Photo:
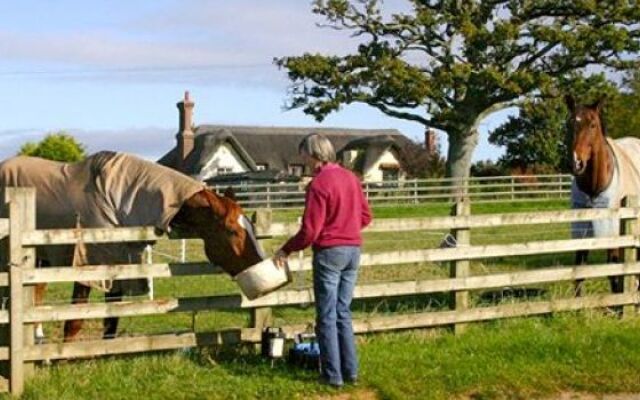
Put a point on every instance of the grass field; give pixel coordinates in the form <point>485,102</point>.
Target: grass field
<point>517,359</point>
<point>522,358</point>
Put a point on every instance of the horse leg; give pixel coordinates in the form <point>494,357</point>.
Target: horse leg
<point>73,326</point>
<point>38,299</point>
<point>617,282</point>
<point>581,259</point>
<point>111,324</point>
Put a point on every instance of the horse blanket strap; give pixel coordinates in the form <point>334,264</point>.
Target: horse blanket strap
<point>80,259</point>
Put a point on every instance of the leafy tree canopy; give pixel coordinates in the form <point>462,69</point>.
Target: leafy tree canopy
<point>55,146</point>
<point>448,64</point>
<point>622,113</point>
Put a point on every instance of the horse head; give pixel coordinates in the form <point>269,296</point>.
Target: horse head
<point>585,122</point>
<point>228,235</point>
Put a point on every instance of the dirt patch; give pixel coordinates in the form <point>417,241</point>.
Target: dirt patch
<point>589,396</point>
<point>368,394</point>
<point>572,396</point>
<point>358,394</point>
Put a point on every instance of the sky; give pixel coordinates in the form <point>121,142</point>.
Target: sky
<point>111,72</point>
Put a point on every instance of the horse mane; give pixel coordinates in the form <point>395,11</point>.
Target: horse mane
<point>603,122</point>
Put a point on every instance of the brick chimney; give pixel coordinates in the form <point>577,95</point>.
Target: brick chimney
<point>185,136</point>
<point>430,141</point>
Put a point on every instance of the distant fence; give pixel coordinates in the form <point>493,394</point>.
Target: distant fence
<point>19,351</point>
<point>416,191</point>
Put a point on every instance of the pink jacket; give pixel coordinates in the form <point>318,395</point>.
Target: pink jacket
<point>335,211</point>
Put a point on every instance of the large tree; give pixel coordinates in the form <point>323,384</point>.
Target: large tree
<point>55,146</point>
<point>448,64</point>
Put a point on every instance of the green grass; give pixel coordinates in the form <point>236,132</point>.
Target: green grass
<point>441,209</point>
<point>504,359</point>
<point>515,359</point>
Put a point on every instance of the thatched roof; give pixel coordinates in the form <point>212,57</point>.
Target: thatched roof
<point>372,148</point>
<point>277,147</point>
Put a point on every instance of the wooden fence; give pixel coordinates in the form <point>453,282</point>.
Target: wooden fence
<point>415,191</point>
<point>19,352</point>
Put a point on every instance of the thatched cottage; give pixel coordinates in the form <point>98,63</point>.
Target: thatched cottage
<point>250,153</point>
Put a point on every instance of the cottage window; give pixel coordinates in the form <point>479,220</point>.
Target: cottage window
<point>296,169</point>
<point>224,170</point>
<point>390,174</point>
<point>261,167</point>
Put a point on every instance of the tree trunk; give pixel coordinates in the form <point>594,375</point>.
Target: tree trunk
<point>464,139</point>
<point>461,148</point>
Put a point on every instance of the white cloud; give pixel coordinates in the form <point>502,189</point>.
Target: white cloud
<point>199,42</point>
<point>193,40</point>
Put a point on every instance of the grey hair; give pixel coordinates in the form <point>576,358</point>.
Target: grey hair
<point>318,146</point>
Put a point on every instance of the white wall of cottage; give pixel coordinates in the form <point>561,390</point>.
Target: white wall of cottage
<point>374,174</point>
<point>224,160</point>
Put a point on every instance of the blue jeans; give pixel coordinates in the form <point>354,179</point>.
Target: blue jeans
<point>335,270</point>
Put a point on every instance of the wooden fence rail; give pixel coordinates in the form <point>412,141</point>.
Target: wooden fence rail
<point>19,351</point>
<point>413,191</point>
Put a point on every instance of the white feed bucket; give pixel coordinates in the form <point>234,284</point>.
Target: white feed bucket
<point>262,278</point>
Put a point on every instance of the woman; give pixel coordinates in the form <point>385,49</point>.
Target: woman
<point>335,212</point>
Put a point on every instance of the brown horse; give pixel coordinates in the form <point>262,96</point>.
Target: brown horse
<point>604,173</point>
<point>110,189</point>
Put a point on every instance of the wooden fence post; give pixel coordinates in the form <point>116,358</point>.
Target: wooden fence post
<point>560,187</point>
<point>460,268</point>
<point>183,250</point>
<point>22,217</point>
<point>16,346</point>
<point>262,316</point>
<point>5,331</point>
<point>629,255</point>
<point>268,196</point>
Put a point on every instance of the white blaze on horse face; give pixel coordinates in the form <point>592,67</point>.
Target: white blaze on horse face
<point>577,162</point>
<point>246,224</point>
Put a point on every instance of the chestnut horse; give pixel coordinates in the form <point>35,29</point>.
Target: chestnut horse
<point>114,189</point>
<point>605,171</point>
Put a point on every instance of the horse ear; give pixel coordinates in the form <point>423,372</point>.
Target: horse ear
<point>570,102</point>
<point>198,200</point>
<point>204,199</point>
<point>216,204</point>
<point>599,104</point>
<point>230,193</point>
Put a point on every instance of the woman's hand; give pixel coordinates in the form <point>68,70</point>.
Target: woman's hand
<point>280,258</point>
